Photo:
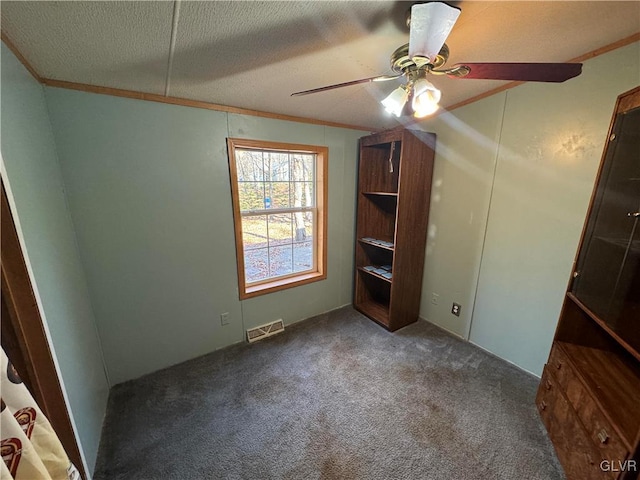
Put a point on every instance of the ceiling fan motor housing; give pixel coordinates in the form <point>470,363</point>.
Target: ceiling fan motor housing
<point>401,62</point>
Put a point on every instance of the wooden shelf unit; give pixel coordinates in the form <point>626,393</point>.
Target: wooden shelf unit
<point>394,189</point>
<point>589,396</point>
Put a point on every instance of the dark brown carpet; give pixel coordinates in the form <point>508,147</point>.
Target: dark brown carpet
<point>333,397</point>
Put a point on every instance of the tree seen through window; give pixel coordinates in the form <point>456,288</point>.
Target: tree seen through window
<point>277,200</point>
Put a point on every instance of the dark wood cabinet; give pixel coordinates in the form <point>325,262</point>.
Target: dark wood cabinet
<point>589,395</point>
<point>394,189</point>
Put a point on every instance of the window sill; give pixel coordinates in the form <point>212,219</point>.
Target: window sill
<point>281,284</point>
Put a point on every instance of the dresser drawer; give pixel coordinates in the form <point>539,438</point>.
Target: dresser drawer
<point>546,398</point>
<point>561,368</point>
<point>609,445</point>
<point>576,452</point>
<point>602,434</point>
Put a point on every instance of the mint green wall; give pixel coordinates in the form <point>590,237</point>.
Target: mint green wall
<point>36,193</point>
<point>148,188</point>
<point>467,141</point>
<point>515,174</point>
<point>550,149</point>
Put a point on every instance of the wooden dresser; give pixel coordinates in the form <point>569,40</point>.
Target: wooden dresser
<point>589,395</point>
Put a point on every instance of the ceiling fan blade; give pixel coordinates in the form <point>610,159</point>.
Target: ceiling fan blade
<point>430,26</point>
<point>379,78</point>
<point>526,72</point>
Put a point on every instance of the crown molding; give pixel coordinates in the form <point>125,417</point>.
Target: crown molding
<point>11,46</point>
<point>587,56</point>
<point>151,97</point>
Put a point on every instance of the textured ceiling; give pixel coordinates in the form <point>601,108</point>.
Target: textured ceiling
<point>253,55</point>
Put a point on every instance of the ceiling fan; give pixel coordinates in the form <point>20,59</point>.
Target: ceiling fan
<point>426,54</point>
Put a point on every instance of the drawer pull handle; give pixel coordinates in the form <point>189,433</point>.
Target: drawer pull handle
<point>603,436</point>
<point>543,405</point>
<point>549,385</point>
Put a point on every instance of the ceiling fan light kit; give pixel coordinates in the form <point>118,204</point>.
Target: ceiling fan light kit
<point>426,98</point>
<point>426,54</point>
<point>396,100</point>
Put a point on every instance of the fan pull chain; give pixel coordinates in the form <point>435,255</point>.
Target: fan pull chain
<point>393,147</point>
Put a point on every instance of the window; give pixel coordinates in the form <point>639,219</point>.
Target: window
<point>279,195</point>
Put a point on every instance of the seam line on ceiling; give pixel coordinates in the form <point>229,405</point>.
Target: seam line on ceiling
<point>172,46</point>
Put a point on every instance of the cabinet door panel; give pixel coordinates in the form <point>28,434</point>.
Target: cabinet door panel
<point>624,316</point>
<point>608,263</point>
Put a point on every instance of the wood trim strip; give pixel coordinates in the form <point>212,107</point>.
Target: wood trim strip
<point>282,284</point>
<point>27,322</point>
<point>245,144</point>
<point>587,56</point>
<point>623,42</point>
<point>486,94</point>
<point>185,102</point>
<point>237,218</point>
<point>7,41</point>
<point>322,204</point>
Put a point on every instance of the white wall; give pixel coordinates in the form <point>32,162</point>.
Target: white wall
<point>36,194</point>
<point>523,162</point>
<point>148,189</point>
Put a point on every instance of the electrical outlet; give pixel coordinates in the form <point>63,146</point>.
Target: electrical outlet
<point>224,318</point>
<point>434,298</point>
<point>455,309</point>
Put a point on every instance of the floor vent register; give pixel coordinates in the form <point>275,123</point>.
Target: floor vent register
<point>264,331</point>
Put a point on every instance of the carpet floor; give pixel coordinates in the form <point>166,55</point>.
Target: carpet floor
<point>333,397</point>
